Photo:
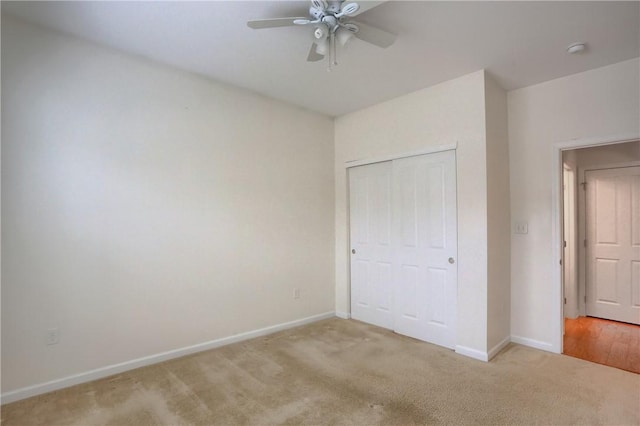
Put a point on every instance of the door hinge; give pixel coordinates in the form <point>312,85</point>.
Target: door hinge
<point>560,262</point>
<point>585,243</point>
<point>585,298</point>
<point>565,300</point>
<point>564,244</point>
<point>584,185</point>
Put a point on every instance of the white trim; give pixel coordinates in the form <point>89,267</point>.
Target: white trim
<point>343,315</point>
<point>556,294</point>
<point>472,353</point>
<point>596,141</point>
<point>500,346</point>
<point>532,343</point>
<point>427,150</point>
<point>582,259</point>
<point>110,370</point>
<point>607,166</point>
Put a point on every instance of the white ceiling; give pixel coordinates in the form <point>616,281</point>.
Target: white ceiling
<point>519,43</point>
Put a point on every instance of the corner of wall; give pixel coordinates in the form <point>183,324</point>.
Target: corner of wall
<point>498,216</point>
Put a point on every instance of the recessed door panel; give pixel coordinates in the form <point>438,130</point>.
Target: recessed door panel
<point>407,209</point>
<point>606,208</point>
<point>436,225</point>
<point>635,284</point>
<point>437,282</point>
<point>606,273</point>
<point>359,211</point>
<point>384,289</point>
<point>360,273</point>
<point>635,211</point>
<point>408,287</point>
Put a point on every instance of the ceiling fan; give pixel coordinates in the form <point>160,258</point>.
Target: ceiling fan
<point>332,24</point>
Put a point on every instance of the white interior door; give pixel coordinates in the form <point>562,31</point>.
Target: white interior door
<point>403,246</point>
<point>613,244</point>
<point>424,200</point>
<point>371,244</point>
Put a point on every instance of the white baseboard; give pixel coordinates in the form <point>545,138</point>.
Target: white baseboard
<point>343,315</point>
<point>110,370</point>
<point>532,343</point>
<point>486,356</point>
<point>472,353</point>
<point>500,346</point>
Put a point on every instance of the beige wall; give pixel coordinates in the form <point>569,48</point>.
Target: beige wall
<point>448,113</point>
<point>498,217</point>
<point>596,105</point>
<point>146,209</point>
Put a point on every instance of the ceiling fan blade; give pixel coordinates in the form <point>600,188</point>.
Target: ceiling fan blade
<point>375,36</point>
<point>348,9</point>
<point>272,23</point>
<point>320,4</point>
<point>314,56</point>
<point>367,5</point>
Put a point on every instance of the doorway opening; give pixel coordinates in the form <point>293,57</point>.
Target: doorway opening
<point>600,251</point>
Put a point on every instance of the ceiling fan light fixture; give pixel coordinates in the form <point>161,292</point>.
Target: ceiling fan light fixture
<point>322,47</point>
<point>320,33</point>
<point>344,36</point>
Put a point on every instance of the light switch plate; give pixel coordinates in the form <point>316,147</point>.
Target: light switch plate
<point>521,228</point>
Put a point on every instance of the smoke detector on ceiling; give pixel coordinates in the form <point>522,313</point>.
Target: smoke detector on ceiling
<point>576,48</point>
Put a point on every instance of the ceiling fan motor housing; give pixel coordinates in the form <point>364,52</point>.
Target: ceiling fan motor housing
<point>316,13</point>
<point>320,9</point>
<point>334,6</point>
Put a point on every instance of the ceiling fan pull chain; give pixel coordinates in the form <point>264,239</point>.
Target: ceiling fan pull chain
<point>331,52</point>
<point>333,47</point>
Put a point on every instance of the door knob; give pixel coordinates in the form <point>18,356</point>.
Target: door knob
<point>452,260</point>
<point>353,251</point>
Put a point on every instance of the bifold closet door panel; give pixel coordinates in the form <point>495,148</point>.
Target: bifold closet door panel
<point>371,244</point>
<point>425,247</point>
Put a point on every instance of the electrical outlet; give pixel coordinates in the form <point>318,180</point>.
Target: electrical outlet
<point>52,336</point>
<point>521,228</point>
<point>296,293</point>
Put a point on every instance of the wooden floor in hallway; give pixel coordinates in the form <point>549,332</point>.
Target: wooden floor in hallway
<point>611,343</point>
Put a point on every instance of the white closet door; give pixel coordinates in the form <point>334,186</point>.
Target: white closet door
<point>371,249</point>
<point>613,244</point>
<point>424,224</point>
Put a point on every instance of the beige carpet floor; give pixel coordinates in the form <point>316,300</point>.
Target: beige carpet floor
<point>345,372</point>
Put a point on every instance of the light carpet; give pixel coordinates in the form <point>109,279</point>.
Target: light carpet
<point>345,372</point>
